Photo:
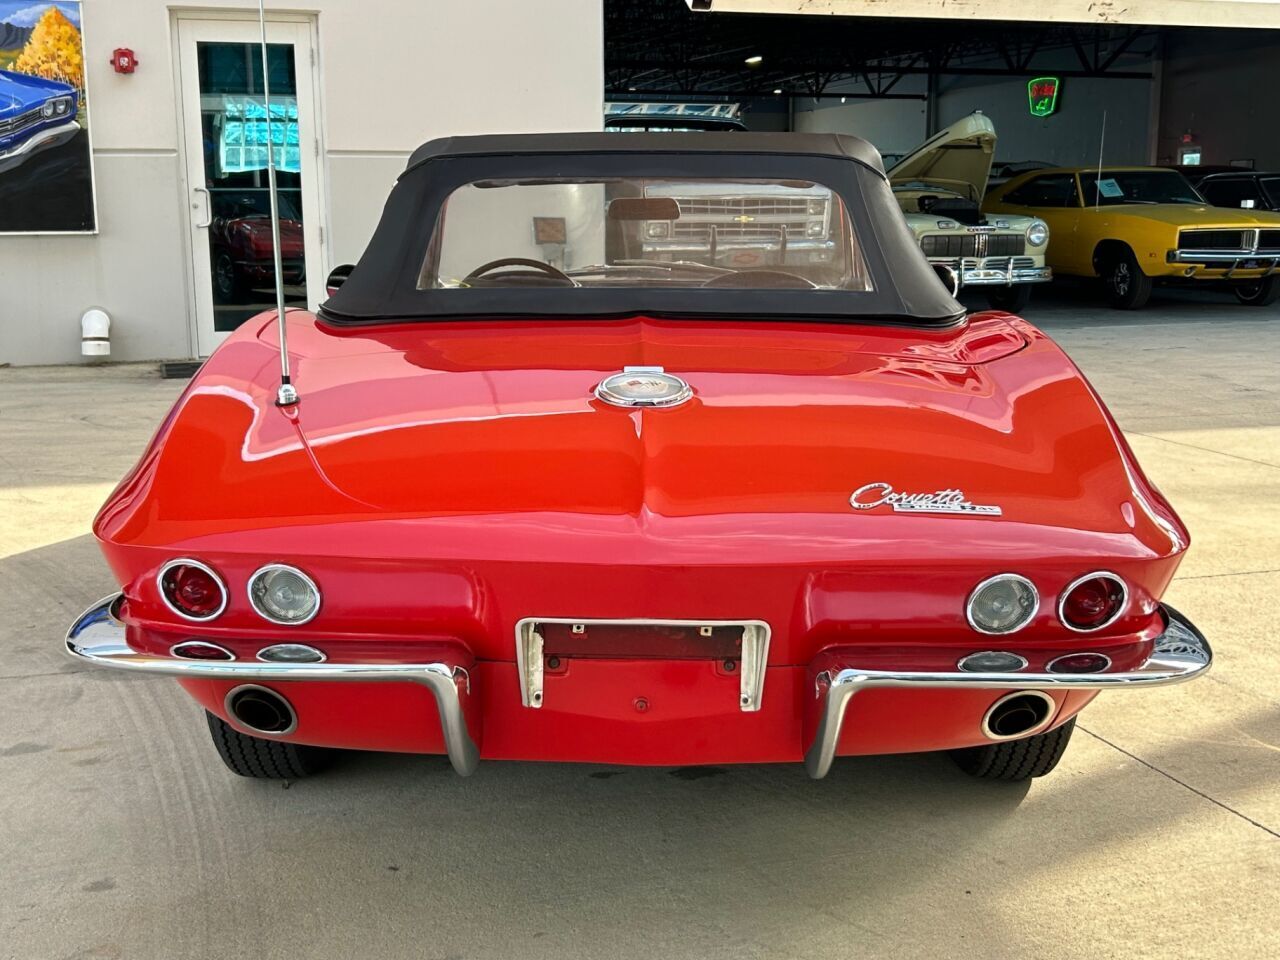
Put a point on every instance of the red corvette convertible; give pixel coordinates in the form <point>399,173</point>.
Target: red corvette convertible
<point>550,492</point>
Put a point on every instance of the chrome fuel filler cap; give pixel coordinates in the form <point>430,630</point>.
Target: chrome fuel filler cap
<point>643,387</point>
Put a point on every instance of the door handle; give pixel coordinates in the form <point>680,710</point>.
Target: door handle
<point>208,208</point>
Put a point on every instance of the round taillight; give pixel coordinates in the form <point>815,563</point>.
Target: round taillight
<point>284,594</point>
<point>1092,602</point>
<point>192,590</point>
<point>1003,604</point>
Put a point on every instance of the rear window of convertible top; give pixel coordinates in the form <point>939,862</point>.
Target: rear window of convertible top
<point>641,232</point>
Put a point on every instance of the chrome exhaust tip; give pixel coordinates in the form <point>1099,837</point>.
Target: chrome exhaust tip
<point>261,710</point>
<point>1019,714</point>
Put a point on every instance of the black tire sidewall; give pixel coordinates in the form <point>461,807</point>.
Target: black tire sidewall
<point>1268,292</point>
<point>263,759</point>
<point>1016,760</point>
<point>1010,299</point>
<point>1137,290</point>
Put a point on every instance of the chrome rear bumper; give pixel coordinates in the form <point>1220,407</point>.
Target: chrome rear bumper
<point>1180,653</point>
<point>98,637</point>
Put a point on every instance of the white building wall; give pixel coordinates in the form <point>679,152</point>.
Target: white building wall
<point>393,73</point>
<point>894,126</point>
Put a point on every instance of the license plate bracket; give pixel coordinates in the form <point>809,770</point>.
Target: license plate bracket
<point>642,641</point>
<point>743,641</point>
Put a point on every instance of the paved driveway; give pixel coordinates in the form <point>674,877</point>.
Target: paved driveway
<point>122,836</point>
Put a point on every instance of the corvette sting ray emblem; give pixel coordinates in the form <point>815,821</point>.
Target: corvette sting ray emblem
<point>872,495</point>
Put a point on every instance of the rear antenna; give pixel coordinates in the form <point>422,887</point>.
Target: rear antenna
<point>286,396</point>
<point>1097,184</point>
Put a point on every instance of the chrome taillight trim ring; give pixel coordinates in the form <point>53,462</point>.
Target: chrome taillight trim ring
<point>1104,662</point>
<point>1022,661</point>
<point>1105,575</point>
<point>189,562</point>
<point>176,650</point>
<point>320,656</point>
<point>261,571</point>
<point>973,595</point>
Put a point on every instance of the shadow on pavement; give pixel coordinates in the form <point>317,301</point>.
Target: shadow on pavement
<point>1079,302</point>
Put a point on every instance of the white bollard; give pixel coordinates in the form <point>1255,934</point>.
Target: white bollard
<point>95,333</point>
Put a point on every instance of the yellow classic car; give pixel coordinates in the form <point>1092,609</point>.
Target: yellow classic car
<point>1132,226</point>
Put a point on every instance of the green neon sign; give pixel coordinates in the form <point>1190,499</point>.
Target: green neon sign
<point>1042,95</point>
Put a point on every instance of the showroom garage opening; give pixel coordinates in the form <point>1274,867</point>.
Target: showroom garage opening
<point>1179,81</point>
<point>1022,151</point>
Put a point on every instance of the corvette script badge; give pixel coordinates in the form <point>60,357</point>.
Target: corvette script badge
<point>872,495</point>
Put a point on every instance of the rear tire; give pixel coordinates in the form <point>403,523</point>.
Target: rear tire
<point>1128,288</point>
<point>1016,759</point>
<point>1012,299</point>
<point>1258,293</point>
<point>264,759</point>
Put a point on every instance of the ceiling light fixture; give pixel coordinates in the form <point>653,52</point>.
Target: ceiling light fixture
<point>754,60</point>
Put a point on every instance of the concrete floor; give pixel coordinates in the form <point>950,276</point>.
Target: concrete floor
<point>122,836</point>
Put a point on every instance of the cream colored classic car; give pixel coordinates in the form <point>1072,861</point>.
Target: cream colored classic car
<point>940,186</point>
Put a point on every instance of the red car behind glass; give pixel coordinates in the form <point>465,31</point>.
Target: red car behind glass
<point>240,244</point>
<point>543,497</point>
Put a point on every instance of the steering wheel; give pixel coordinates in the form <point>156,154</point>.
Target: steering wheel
<point>761,280</point>
<point>545,269</point>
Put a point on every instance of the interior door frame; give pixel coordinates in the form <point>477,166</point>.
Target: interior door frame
<point>315,190</point>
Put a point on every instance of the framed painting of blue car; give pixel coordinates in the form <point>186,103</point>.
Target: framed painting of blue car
<point>46,161</point>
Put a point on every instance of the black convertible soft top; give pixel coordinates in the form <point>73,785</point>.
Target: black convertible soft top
<point>789,144</point>
<point>384,285</point>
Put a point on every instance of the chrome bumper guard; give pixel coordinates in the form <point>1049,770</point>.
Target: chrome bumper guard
<point>98,637</point>
<point>995,271</point>
<point>1004,278</point>
<point>1180,653</point>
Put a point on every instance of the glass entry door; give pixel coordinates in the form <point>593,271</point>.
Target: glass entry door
<point>225,132</point>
